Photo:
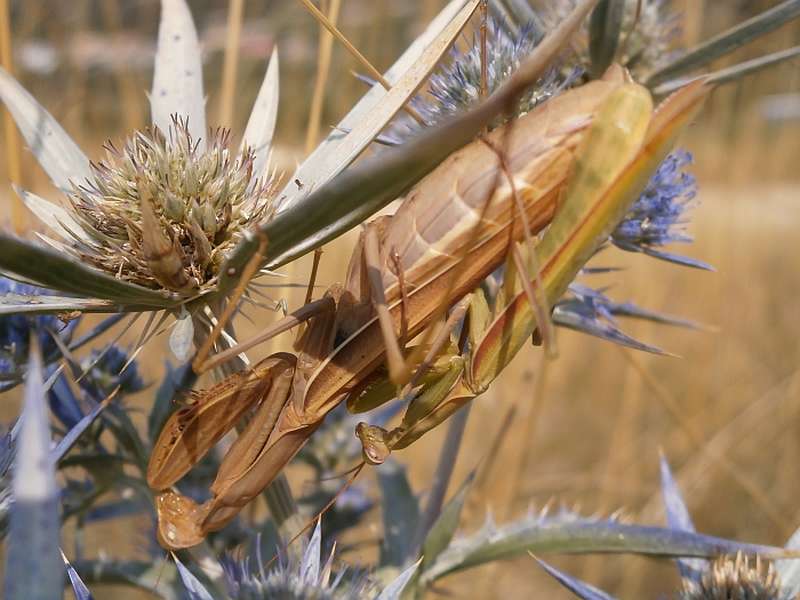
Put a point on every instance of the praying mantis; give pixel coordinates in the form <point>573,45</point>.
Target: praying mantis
<point>538,194</point>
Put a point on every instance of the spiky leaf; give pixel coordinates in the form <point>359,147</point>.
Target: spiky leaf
<point>52,269</point>
<point>580,588</point>
<point>34,568</point>
<point>400,513</point>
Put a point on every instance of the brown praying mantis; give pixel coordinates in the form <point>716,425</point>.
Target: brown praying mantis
<point>539,193</point>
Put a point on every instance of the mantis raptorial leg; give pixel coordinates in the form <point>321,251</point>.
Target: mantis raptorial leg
<point>397,264</point>
<point>293,319</point>
<point>398,369</point>
<point>249,270</point>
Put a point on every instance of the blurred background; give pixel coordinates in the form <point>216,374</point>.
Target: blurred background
<point>586,428</point>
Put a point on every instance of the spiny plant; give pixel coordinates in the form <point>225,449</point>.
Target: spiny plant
<point>176,219</point>
<point>734,575</point>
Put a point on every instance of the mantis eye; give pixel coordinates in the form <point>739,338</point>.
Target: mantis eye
<point>373,442</point>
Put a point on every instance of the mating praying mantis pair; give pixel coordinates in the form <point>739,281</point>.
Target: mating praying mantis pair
<point>538,194</point>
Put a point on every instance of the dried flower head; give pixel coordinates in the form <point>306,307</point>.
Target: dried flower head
<point>163,211</point>
<point>735,578</point>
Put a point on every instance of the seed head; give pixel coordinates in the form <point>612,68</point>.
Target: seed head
<point>163,214</point>
<point>735,578</point>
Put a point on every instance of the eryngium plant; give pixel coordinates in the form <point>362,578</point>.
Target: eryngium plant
<point>734,575</point>
<point>164,211</point>
<point>314,210</point>
<point>160,214</point>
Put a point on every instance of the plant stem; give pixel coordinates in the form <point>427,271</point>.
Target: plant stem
<point>283,508</point>
<point>323,68</point>
<point>442,475</point>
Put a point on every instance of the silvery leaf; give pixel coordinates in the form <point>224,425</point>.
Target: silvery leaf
<point>194,589</point>
<point>394,590</point>
<point>309,567</point>
<point>34,568</point>
<point>563,316</point>
<point>52,269</point>
<point>605,26</point>
<point>443,529</point>
<point>261,124</point>
<point>12,304</point>
<point>728,41</point>
<point>78,587</point>
<point>180,340</point>
<point>156,578</point>
<point>569,534</point>
<point>580,588</point>
<point>60,157</point>
<point>400,513</point>
<point>178,77</point>
<point>374,111</point>
<point>52,215</point>
<point>789,569</point>
<point>678,518</point>
<point>75,432</point>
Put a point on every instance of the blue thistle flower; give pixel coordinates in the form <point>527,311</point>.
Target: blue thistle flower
<point>107,372</point>
<point>16,330</point>
<point>457,85</point>
<point>296,577</point>
<point>658,217</point>
<point>307,578</point>
<point>590,311</point>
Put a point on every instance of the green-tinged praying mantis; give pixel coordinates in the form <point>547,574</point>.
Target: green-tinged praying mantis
<point>575,164</point>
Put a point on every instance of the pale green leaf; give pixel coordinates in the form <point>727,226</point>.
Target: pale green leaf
<point>605,26</point>
<point>52,269</point>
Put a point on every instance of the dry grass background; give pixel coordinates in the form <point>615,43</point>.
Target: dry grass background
<point>586,428</point>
